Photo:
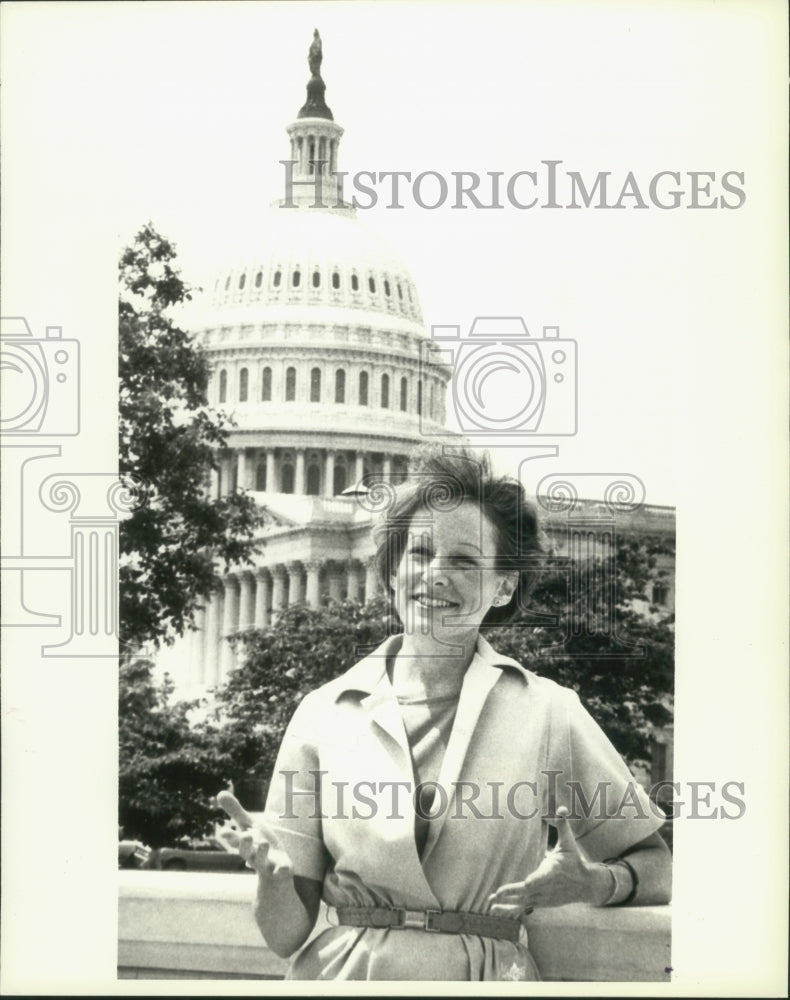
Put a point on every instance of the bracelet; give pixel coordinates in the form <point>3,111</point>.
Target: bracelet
<point>612,864</point>
<point>617,884</point>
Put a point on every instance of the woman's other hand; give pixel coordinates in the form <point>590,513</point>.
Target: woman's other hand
<point>564,876</point>
<point>258,843</point>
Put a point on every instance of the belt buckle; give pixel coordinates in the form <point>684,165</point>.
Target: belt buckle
<point>418,919</point>
<point>411,918</point>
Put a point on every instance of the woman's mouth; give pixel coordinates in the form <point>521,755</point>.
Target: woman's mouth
<point>433,602</point>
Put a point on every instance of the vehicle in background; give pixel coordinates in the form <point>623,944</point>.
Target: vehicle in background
<point>211,854</point>
<point>133,854</point>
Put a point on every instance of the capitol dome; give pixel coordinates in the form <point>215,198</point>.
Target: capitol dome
<point>319,355</point>
<point>316,339</point>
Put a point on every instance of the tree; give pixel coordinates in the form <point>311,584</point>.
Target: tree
<point>169,769</point>
<point>168,438</point>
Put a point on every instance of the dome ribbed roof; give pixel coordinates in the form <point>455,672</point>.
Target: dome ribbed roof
<point>316,258</point>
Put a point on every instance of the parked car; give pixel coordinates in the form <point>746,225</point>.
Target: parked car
<point>211,854</point>
<point>133,854</point>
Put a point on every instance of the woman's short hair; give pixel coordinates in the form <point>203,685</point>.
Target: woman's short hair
<point>441,481</point>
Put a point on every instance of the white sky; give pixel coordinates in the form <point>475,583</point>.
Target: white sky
<point>113,114</point>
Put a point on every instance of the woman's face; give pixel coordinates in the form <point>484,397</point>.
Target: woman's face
<point>446,581</point>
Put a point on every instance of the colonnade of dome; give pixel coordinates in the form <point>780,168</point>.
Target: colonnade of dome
<point>252,599</point>
<point>303,471</point>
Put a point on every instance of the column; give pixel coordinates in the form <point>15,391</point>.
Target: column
<point>263,592</point>
<point>263,598</point>
<point>278,591</point>
<point>230,624</point>
<point>94,547</point>
<point>335,582</point>
<point>214,484</point>
<point>329,474</point>
<point>313,592</point>
<point>246,600</point>
<point>295,583</point>
<point>215,677</point>
<point>354,580</point>
<point>359,470</point>
<point>196,641</point>
<point>592,545</point>
<point>371,580</point>
<point>299,488</point>
<point>94,503</point>
<point>241,468</point>
<point>206,668</point>
<point>387,468</point>
<point>270,480</point>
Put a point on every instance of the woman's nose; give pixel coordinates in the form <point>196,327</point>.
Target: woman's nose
<point>436,570</point>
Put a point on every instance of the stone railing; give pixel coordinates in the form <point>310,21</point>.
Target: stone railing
<point>200,926</point>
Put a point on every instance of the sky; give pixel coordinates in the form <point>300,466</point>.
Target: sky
<point>114,114</point>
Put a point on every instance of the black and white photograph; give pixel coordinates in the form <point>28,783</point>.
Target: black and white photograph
<point>394,562</point>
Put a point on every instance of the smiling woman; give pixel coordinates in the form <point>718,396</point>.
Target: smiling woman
<point>375,804</point>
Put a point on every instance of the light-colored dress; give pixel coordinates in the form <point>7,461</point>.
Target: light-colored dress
<point>341,802</point>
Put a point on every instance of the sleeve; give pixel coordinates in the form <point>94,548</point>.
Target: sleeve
<point>608,808</point>
<point>293,805</point>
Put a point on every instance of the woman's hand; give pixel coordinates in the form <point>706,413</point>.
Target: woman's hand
<point>286,905</point>
<point>564,876</point>
<point>258,844</point>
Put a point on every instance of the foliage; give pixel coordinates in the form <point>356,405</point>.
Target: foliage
<point>168,769</point>
<point>168,437</point>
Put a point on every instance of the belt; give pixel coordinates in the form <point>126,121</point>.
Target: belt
<point>438,921</point>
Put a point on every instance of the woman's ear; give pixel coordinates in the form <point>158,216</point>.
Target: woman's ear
<point>506,588</point>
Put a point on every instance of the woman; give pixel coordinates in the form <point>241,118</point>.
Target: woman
<point>414,793</point>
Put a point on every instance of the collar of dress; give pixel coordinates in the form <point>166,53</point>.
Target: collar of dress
<point>370,672</point>
<point>369,678</point>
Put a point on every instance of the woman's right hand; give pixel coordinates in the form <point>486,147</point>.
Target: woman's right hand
<point>258,843</point>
